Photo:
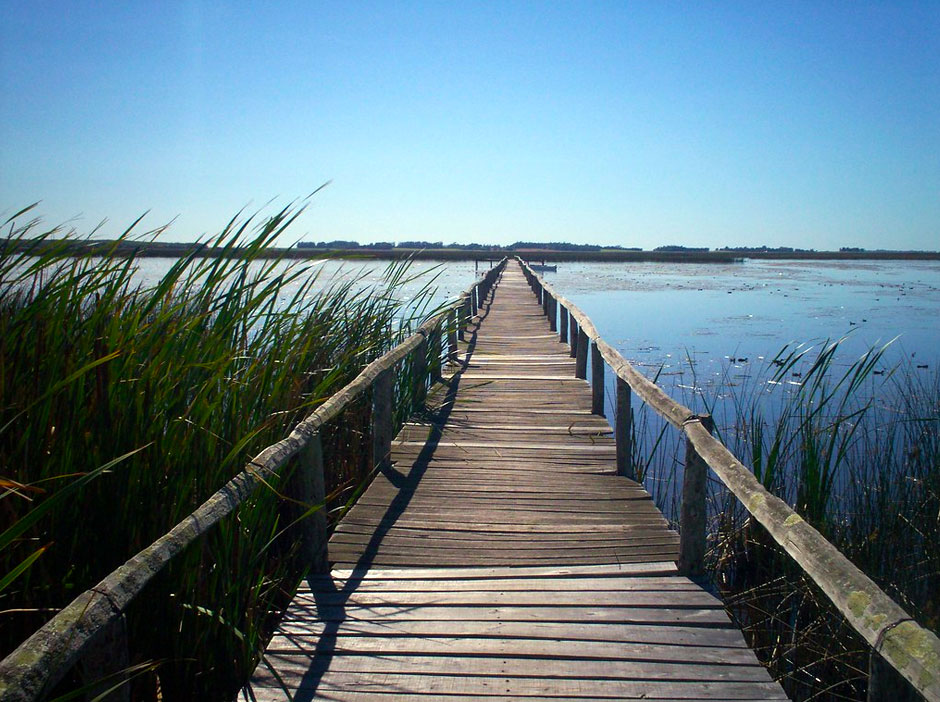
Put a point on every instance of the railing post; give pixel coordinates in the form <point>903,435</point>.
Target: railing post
<point>552,313</point>
<point>573,336</point>
<point>580,365</point>
<point>623,431</point>
<point>597,380</point>
<point>453,325</point>
<point>382,422</point>
<point>437,352</point>
<point>886,683</point>
<point>420,369</point>
<point>461,311</point>
<point>307,486</point>
<point>474,302</point>
<point>563,323</point>
<point>692,517</point>
<point>468,310</point>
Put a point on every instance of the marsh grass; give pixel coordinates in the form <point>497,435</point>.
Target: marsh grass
<point>857,454</point>
<point>122,408</point>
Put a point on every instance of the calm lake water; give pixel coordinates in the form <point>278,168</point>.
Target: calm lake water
<point>448,279</point>
<point>662,316</point>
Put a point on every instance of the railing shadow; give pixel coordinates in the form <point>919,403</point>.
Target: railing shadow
<point>330,599</point>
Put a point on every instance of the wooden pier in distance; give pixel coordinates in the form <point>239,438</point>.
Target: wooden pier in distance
<point>499,556</point>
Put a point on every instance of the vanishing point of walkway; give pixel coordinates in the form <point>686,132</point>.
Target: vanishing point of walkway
<point>501,557</point>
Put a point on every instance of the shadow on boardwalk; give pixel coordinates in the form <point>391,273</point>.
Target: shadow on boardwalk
<point>329,598</point>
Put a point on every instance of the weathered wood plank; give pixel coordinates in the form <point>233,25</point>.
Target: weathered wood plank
<point>402,689</point>
<point>644,634</point>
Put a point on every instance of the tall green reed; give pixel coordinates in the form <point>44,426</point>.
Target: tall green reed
<point>186,380</point>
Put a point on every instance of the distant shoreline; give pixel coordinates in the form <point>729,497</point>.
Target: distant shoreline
<point>177,250</point>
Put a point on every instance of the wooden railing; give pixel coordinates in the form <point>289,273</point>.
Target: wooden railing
<point>908,648</point>
<point>35,667</point>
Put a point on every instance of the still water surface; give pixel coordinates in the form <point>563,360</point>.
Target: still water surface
<point>661,313</point>
<point>660,316</point>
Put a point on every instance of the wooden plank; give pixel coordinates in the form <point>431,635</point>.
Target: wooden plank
<point>405,688</point>
<point>673,694</point>
<point>654,583</point>
<point>554,669</point>
<point>455,615</point>
<point>611,632</point>
<point>611,570</point>
<point>695,599</point>
<point>503,646</point>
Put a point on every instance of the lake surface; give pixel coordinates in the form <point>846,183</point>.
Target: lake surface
<point>448,279</point>
<point>660,313</point>
<point>661,316</point>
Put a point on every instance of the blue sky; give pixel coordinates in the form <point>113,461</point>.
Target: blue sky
<point>810,124</point>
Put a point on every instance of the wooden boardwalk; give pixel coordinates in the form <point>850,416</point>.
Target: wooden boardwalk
<point>500,557</point>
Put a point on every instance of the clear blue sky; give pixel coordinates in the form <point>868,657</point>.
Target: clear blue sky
<point>811,124</point>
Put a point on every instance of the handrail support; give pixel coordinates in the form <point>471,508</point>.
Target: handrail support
<point>692,518</point>
<point>597,380</point>
<point>382,421</point>
<point>623,431</point>
<point>580,366</point>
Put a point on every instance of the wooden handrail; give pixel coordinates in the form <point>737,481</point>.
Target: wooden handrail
<point>37,664</point>
<point>911,649</point>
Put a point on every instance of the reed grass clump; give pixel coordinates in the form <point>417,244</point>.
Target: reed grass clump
<point>124,406</point>
<point>857,454</point>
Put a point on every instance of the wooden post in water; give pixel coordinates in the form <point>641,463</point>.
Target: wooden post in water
<point>382,421</point>
<point>420,368</point>
<point>692,518</point>
<point>623,431</point>
<point>563,324</point>
<point>580,363</point>
<point>573,336</point>
<point>597,380</point>
<point>886,683</point>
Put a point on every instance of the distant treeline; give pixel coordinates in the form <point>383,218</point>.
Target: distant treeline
<point>344,244</point>
<point>532,250</point>
<point>454,246</point>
